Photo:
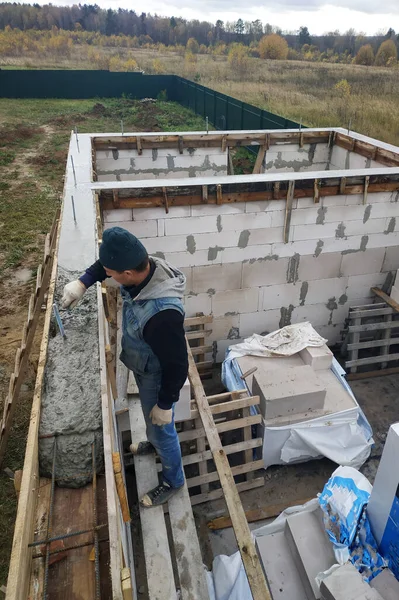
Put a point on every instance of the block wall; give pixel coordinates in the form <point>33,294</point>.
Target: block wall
<point>165,163</point>
<point>239,269</point>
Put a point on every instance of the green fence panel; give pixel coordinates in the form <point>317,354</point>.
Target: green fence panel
<point>222,111</point>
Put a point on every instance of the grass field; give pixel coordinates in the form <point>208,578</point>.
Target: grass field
<point>34,137</point>
<point>297,90</point>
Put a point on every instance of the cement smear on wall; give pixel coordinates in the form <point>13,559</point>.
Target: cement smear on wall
<point>71,401</point>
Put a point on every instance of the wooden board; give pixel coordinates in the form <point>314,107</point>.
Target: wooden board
<point>158,561</point>
<point>251,562</point>
<point>217,494</point>
<point>372,374</point>
<point>386,298</point>
<point>21,555</point>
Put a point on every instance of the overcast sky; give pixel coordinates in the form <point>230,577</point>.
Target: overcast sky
<point>369,16</point>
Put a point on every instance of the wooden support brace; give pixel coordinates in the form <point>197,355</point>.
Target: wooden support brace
<point>115,198</point>
<point>342,185</point>
<point>276,190</point>
<point>386,298</point>
<point>126,582</point>
<point>219,194</point>
<point>120,486</point>
<point>180,144</point>
<point>224,143</point>
<point>38,280</point>
<point>165,199</point>
<point>288,211</point>
<point>316,194</point>
<point>110,358</point>
<point>205,194</point>
<point>139,146</point>
<point>301,140</point>
<point>366,187</point>
<point>259,159</point>
<point>267,141</point>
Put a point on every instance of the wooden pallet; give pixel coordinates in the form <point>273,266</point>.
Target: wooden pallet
<point>28,333</point>
<point>373,330</point>
<point>231,414</point>
<point>196,335</point>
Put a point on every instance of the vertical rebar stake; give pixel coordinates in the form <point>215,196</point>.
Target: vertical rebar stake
<point>49,522</point>
<point>96,548</point>
<point>300,124</point>
<point>77,141</point>
<point>122,126</point>
<point>207,124</point>
<point>73,169</point>
<point>73,209</point>
<point>349,125</point>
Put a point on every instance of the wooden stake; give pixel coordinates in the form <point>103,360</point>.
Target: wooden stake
<point>205,194</point>
<point>165,198</point>
<point>342,185</point>
<point>224,143</point>
<point>139,147</point>
<point>288,211</point>
<point>316,196</point>
<point>366,187</point>
<point>115,197</point>
<point>219,194</point>
<point>180,144</point>
<point>120,486</point>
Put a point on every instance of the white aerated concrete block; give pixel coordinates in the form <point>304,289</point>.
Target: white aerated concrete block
<point>345,583</point>
<point>175,212</point>
<point>235,301</point>
<point>261,322</point>
<point>286,393</point>
<point>141,229</point>
<point>314,232</point>
<point>245,221</point>
<point>391,259</point>
<point>267,205</point>
<point>270,235</point>
<point>323,290</point>
<point>171,243</point>
<point>182,407</point>
<point>317,357</point>
<point>224,328</point>
<point>191,225</point>
<point>264,272</point>
<point>230,255</point>
<point>311,549</point>
<point>188,272</point>
<point>186,259</point>
<point>363,262</point>
<point>276,296</point>
<point>386,585</point>
<point>359,286</point>
<point>203,210</point>
<point>117,215</point>
<point>360,228</point>
<point>197,303</point>
<point>217,278</point>
<point>324,266</point>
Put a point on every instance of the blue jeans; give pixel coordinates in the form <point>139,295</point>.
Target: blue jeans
<point>164,438</point>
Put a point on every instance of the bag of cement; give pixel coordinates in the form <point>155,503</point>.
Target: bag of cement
<point>343,502</point>
<point>228,580</point>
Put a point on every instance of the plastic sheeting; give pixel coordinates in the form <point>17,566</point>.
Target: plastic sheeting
<point>344,437</point>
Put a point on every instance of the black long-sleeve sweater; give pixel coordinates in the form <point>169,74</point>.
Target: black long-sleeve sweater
<point>164,333</point>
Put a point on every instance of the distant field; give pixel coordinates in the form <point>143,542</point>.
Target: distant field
<point>297,90</point>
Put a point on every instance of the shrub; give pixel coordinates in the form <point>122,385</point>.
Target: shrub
<point>365,55</point>
<point>273,46</point>
<point>386,51</point>
<point>343,88</point>
<point>238,58</point>
<point>192,46</point>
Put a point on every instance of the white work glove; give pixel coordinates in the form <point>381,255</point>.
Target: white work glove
<point>160,417</point>
<point>73,292</point>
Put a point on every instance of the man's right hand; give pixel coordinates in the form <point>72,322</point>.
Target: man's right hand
<point>73,292</point>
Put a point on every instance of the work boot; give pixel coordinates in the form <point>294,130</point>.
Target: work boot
<point>141,448</point>
<point>159,495</point>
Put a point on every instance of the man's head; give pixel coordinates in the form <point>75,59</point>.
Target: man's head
<point>124,257</point>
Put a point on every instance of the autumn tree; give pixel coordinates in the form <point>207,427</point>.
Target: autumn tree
<point>365,55</point>
<point>387,54</point>
<point>273,46</point>
<point>238,58</point>
<point>192,46</point>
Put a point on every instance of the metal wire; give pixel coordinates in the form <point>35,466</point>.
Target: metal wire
<point>96,548</point>
<point>73,547</point>
<point>66,536</point>
<point>49,522</point>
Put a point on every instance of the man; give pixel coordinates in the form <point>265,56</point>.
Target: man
<point>153,342</point>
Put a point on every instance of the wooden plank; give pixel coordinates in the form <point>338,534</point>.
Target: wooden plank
<point>158,561</point>
<point>114,532</point>
<point>189,561</point>
<point>180,198</point>
<point>225,396</point>
<point>21,555</point>
<point>386,336</point>
<point>191,459</point>
<point>231,405</point>
<point>355,337</point>
<point>192,321</point>
<point>197,335</point>
<point>371,360</point>
<point>377,312</point>
<point>386,298</point>
<point>122,372</point>
<point>247,434</point>
<point>373,344</point>
<point>216,494</point>
<point>288,211</point>
<point>316,193</point>
<point>193,434</point>
<point>238,470</point>
<point>372,374</point>
<point>205,365</point>
<point>258,514</point>
<point>40,529</point>
<point>251,562</point>
<point>126,581</point>
<point>373,326</point>
<point>201,350</point>
<point>259,159</point>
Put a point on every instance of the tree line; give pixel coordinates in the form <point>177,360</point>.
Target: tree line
<point>149,28</point>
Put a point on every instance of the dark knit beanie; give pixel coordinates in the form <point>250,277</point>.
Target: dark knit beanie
<point>121,250</point>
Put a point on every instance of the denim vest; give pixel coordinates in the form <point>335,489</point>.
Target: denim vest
<point>136,354</point>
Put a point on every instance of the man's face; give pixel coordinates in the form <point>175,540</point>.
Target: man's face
<point>125,278</point>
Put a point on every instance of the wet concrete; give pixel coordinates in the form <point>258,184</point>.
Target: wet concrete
<point>71,400</point>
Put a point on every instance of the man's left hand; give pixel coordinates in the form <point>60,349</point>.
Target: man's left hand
<point>160,417</point>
